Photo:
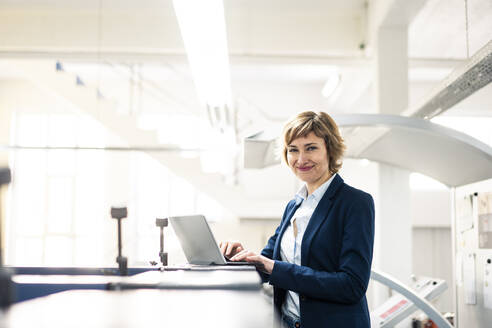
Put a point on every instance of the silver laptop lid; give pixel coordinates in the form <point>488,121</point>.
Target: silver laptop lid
<point>196,239</point>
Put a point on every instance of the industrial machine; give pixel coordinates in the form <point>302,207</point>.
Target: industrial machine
<point>408,300</point>
<point>472,249</point>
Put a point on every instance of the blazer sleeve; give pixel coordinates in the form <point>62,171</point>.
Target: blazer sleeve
<point>349,284</point>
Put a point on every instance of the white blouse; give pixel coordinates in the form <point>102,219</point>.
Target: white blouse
<point>290,245</point>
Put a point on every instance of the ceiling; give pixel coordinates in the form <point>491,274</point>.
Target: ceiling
<point>281,54</point>
<point>281,51</point>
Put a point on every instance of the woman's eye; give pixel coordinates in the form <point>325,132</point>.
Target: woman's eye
<point>311,148</point>
<point>292,150</point>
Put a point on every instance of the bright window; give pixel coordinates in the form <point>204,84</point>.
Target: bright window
<point>61,198</point>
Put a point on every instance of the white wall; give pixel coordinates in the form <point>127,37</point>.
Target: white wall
<point>431,208</point>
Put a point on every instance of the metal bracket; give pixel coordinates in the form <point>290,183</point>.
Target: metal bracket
<point>119,213</point>
<point>161,223</point>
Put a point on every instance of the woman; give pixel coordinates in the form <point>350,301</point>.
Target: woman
<point>319,259</point>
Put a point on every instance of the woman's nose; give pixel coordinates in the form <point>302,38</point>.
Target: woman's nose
<point>302,157</point>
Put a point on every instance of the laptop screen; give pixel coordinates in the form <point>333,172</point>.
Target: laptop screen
<point>197,240</point>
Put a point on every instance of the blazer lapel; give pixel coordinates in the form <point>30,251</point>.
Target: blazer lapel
<point>319,216</point>
<point>285,224</point>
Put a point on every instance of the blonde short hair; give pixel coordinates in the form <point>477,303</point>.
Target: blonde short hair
<point>323,127</point>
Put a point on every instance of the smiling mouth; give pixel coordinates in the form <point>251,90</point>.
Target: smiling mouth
<point>305,169</point>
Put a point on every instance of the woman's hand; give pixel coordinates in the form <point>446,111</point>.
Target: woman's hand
<point>230,248</point>
<point>261,262</point>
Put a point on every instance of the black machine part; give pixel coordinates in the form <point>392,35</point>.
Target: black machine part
<point>161,223</point>
<point>119,213</point>
<point>5,176</point>
<point>6,284</point>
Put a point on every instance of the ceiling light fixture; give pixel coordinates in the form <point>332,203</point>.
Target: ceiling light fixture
<point>203,30</point>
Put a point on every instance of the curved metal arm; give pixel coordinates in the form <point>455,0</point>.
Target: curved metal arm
<point>420,302</point>
<point>414,144</point>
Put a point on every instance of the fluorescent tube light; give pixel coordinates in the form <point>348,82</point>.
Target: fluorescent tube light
<point>203,30</point>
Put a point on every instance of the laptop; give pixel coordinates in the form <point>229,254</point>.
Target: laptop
<point>198,242</point>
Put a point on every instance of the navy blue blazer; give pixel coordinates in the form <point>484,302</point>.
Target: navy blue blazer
<point>336,256</point>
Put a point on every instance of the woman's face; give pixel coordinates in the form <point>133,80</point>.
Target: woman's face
<point>308,159</point>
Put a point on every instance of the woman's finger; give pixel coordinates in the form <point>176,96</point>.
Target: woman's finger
<point>243,255</point>
<point>233,248</point>
<point>230,248</point>
<point>239,256</point>
<point>223,247</point>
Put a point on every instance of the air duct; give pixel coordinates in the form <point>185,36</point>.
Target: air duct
<point>461,83</point>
